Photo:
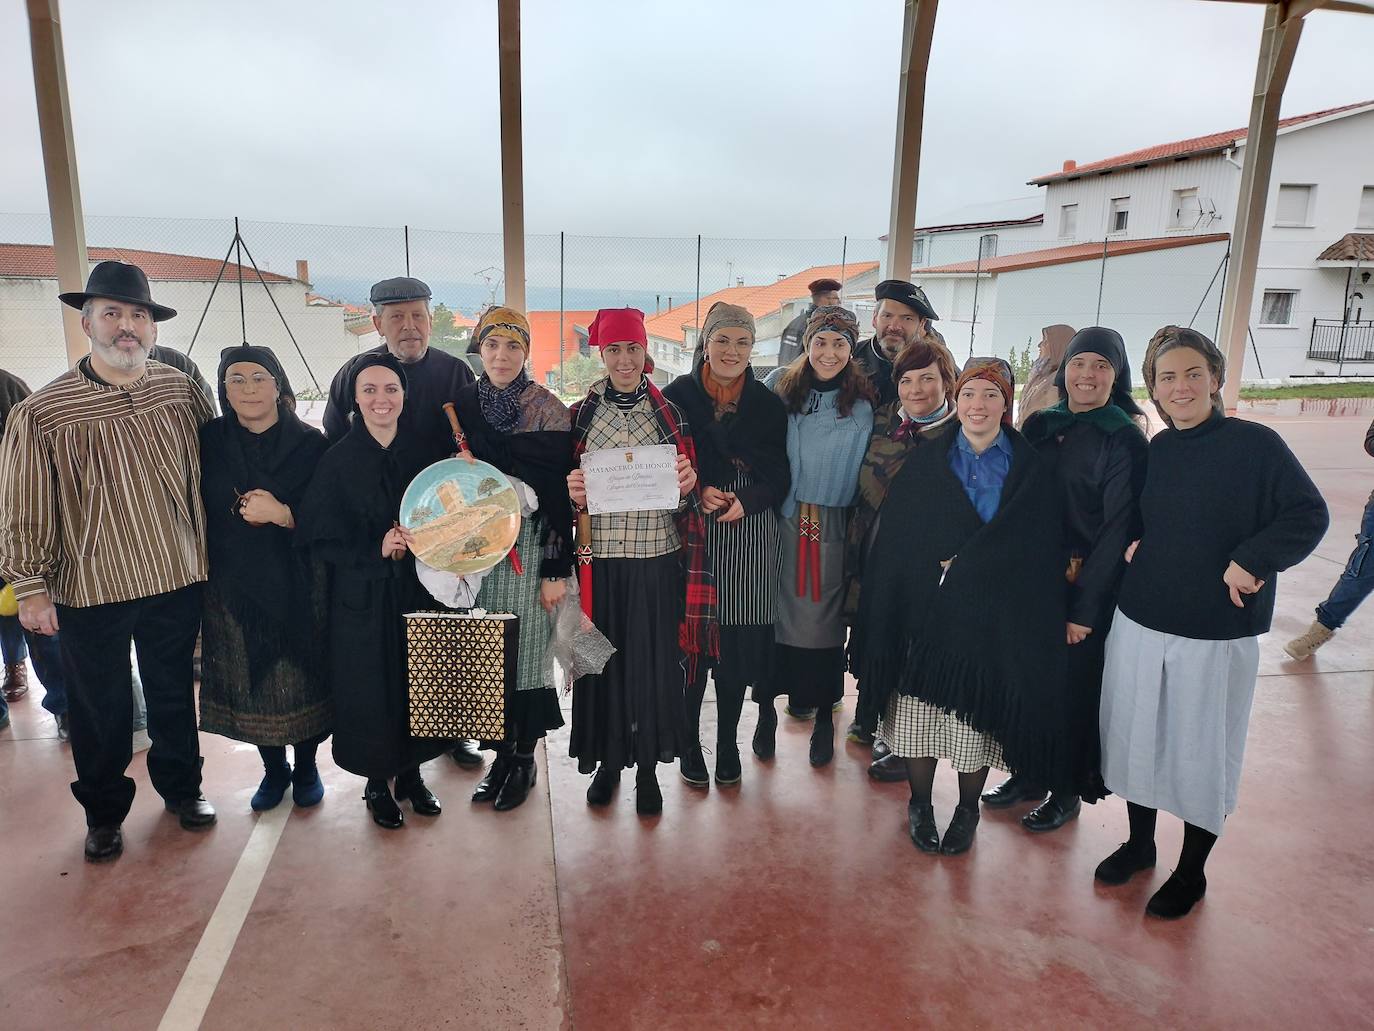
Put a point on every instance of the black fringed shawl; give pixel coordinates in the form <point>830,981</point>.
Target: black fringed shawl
<point>264,580</point>
<point>755,436</point>
<point>987,644</point>
<point>541,457</point>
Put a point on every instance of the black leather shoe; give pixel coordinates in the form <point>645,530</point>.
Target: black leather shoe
<point>822,744</point>
<point>727,766</point>
<point>960,832</point>
<point>1012,791</point>
<point>648,795</point>
<point>920,824</point>
<point>603,786</point>
<point>421,799</point>
<point>490,786</point>
<point>385,812</point>
<point>517,786</point>
<point>692,766</point>
<point>1125,863</point>
<point>880,750</point>
<point>1176,897</point>
<point>798,713</point>
<point>1052,813</point>
<point>466,753</point>
<point>104,843</point>
<point>193,813</point>
<point>766,733</point>
<point>858,734</point>
<point>890,769</point>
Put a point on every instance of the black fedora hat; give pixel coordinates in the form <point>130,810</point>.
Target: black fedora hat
<point>119,281</point>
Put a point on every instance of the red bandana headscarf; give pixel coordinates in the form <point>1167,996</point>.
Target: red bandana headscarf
<point>621,326</point>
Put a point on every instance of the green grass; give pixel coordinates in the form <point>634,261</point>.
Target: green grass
<point>1312,390</point>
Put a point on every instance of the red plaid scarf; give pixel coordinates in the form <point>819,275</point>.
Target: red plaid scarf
<point>699,632</point>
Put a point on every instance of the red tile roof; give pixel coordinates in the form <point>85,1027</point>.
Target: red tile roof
<point>1350,247</point>
<point>36,261</point>
<point>1071,253</point>
<point>759,300</point>
<point>1186,148</point>
<point>544,349</point>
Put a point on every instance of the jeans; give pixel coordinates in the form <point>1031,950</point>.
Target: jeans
<point>95,657</point>
<point>1356,580</point>
<point>18,644</point>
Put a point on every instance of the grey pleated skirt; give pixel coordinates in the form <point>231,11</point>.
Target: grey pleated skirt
<point>1174,717</point>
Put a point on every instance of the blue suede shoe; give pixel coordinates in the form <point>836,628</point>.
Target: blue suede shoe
<point>272,789</point>
<point>306,787</point>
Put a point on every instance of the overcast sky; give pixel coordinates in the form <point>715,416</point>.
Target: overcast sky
<point>734,118</point>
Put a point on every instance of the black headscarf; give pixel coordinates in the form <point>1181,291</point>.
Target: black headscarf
<point>1107,343</point>
<point>264,582</point>
<point>386,360</point>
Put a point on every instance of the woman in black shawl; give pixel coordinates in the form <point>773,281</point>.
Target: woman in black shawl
<point>263,626</point>
<point>962,609</point>
<point>741,438</point>
<point>525,431</point>
<point>348,520</point>
<point>1094,444</point>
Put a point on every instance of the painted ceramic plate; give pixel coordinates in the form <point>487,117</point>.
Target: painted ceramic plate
<point>465,515</point>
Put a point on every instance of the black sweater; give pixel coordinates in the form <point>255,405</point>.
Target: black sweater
<point>1228,490</point>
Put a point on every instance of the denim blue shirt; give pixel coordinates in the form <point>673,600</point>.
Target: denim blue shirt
<point>982,475</point>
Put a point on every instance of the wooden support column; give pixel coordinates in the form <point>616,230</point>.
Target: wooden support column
<point>59,164</point>
<point>1278,44</point>
<point>512,153</point>
<point>918,27</point>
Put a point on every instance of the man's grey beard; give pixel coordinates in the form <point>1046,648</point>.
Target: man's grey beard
<point>396,353</point>
<point>115,358</point>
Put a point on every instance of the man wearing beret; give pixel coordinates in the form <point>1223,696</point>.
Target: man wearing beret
<point>400,313</point>
<point>102,536</point>
<point>823,292</point>
<point>903,313</point>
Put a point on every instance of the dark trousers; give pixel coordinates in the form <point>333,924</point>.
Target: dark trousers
<point>95,660</point>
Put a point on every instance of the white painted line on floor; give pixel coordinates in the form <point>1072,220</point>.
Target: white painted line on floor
<point>198,983</point>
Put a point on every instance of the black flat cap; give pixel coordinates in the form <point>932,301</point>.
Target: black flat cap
<point>402,288</point>
<point>910,294</point>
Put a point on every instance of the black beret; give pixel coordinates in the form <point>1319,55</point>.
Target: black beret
<point>910,294</point>
<point>402,288</point>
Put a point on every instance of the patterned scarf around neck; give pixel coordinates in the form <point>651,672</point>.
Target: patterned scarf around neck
<point>699,632</point>
<point>499,404</point>
<point>724,396</point>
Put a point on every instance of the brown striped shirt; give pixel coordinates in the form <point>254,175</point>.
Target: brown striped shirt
<point>100,488</point>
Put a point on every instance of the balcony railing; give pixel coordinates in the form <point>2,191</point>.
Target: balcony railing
<point>1337,341</point>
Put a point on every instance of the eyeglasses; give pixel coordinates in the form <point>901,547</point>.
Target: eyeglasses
<point>258,379</point>
<point>731,345</point>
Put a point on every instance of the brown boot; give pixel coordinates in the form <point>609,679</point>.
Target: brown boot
<point>1302,647</point>
<point>16,684</point>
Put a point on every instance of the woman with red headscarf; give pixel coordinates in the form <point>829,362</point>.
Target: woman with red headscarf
<point>644,576</point>
<point>961,616</point>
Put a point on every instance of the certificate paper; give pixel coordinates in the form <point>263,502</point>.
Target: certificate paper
<point>631,479</point>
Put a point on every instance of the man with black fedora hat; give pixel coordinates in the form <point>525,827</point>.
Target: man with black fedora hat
<point>400,313</point>
<point>823,292</point>
<point>901,318</point>
<point>102,535</point>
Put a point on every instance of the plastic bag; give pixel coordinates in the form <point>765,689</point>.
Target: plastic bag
<point>576,647</point>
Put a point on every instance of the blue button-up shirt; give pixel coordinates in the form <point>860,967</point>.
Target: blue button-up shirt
<point>982,475</point>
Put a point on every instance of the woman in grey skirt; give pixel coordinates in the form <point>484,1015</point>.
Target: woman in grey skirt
<point>829,403</point>
<point>1225,507</point>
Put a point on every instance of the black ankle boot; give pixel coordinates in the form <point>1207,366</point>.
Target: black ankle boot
<point>648,796</point>
<point>603,785</point>
<point>516,789</point>
<point>692,766</point>
<point>727,765</point>
<point>766,733</point>
<point>1176,897</point>
<point>822,742</point>
<point>490,785</point>
<point>1125,863</point>
<point>960,832</point>
<point>385,812</point>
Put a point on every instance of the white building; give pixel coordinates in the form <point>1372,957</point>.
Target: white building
<point>328,333</point>
<point>1137,241</point>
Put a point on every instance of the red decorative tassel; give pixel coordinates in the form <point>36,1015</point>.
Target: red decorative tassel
<point>515,563</point>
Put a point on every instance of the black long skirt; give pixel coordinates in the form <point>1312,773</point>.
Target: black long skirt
<point>633,713</point>
<point>811,678</point>
<point>1084,671</point>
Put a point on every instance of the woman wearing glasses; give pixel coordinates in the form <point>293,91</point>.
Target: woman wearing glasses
<point>262,629</point>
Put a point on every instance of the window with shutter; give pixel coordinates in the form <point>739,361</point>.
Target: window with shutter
<point>1068,221</point>
<point>1293,207</point>
<point>1187,210</point>
<point>1365,219</point>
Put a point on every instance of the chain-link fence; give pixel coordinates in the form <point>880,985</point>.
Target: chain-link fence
<point>995,289</point>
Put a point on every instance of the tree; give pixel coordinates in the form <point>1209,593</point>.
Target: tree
<point>579,373</point>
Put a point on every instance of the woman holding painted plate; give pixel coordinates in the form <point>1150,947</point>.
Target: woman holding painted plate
<point>521,428</point>
<point>645,578</point>
<point>741,438</point>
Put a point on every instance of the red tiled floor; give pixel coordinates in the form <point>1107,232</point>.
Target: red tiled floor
<point>793,900</point>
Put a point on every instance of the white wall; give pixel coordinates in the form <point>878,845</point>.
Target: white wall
<point>31,341</point>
